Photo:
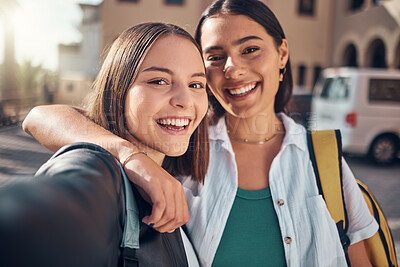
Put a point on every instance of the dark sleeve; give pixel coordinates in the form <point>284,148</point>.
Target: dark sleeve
<point>70,214</point>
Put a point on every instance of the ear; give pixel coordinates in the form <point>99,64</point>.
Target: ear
<point>283,53</point>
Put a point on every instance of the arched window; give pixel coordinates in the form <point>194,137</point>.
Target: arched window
<point>397,57</point>
<point>306,7</point>
<point>356,4</point>
<point>301,81</point>
<point>350,56</point>
<point>377,2</point>
<point>376,54</point>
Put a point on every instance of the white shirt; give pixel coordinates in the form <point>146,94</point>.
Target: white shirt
<point>309,233</point>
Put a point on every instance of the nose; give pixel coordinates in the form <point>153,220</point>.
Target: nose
<point>181,97</point>
<point>232,69</point>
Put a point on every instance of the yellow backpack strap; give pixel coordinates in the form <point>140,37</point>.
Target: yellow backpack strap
<point>325,148</point>
<point>380,247</point>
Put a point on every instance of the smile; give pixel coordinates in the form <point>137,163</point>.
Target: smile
<point>174,124</point>
<point>243,90</point>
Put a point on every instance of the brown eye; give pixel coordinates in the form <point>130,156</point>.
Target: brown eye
<point>158,82</point>
<point>250,50</point>
<point>196,85</point>
<point>214,58</point>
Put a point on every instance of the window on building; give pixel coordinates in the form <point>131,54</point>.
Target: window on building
<point>306,7</point>
<point>70,88</point>
<point>385,90</point>
<point>317,73</point>
<point>176,2</point>
<point>376,54</point>
<point>301,81</point>
<point>356,4</point>
<point>377,2</point>
<point>350,56</point>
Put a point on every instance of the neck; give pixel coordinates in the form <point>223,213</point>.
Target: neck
<point>259,128</point>
<point>155,155</point>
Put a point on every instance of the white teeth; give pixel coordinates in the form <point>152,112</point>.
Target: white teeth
<point>174,122</point>
<point>242,90</point>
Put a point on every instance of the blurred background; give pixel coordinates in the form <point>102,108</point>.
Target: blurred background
<point>345,57</point>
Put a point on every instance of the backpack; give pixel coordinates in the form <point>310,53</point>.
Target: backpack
<point>156,249</point>
<point>325,150</point>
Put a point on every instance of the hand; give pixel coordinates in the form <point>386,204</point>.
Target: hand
<point>161,190</point>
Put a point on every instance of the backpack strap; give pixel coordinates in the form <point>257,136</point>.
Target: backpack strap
<point>325,148</point>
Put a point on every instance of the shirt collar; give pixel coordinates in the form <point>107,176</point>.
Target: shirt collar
<point>219,133</point>
<point>295,133</point>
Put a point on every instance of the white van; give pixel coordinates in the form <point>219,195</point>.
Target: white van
<point>365,105</point>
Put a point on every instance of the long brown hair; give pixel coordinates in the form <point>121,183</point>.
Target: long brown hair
<point>261,14</point>
<point>116,76</point>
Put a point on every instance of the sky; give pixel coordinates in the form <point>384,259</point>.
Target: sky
<point>40,25</point>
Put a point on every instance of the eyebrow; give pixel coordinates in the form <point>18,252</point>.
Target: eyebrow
<point>237,42</point>
<point>158,69</point>
<point>198,74</point>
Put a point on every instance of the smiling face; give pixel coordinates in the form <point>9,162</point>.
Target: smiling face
<point>243,63</point>
<point>167,100</point>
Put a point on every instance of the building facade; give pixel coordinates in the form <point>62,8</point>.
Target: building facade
<point>79,63</point>
<point>321,33</point>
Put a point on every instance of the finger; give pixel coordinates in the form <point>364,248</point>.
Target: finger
<point>181,214</point>
<point>169,210</point>
<point>158,209</point>
<point>185,209</point>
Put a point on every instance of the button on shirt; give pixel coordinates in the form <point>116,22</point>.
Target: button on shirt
<point>309,233</point>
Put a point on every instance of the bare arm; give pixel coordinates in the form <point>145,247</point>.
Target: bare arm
<point>358,255</point>
<point>57,125</point>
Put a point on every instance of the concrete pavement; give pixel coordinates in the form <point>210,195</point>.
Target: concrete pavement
<point>20,154</point>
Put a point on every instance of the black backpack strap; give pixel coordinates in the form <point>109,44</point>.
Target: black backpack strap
<point>325,148</point>
<point>129,258</point>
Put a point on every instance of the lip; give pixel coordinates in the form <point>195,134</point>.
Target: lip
<point>182,131</point>
<point>244,96</point>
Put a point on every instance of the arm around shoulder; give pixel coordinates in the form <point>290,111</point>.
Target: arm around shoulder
<point>55,126</point>
<point>66,125</point>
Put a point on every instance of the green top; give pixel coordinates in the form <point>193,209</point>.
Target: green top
<point>251,236</point>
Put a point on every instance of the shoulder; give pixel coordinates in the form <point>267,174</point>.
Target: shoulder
<point>80,158</point>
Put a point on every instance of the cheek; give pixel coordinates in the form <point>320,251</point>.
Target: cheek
<point>132,120</point>
<point>201,105</point>
<point>137,111</point>
<point>214,76</point>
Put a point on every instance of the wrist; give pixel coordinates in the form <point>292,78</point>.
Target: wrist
<point>123,163</point>
<point>122,149</point>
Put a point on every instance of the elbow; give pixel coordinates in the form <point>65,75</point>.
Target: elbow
<point>32,119</point>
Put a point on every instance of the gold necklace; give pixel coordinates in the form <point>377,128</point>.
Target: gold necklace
<point>247,141</point>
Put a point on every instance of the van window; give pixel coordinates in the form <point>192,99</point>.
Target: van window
<point>335,88</point>
<point>387,90</point>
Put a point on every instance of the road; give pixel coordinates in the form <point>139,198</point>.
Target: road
<point>384,183</point>
<point>21,155</point>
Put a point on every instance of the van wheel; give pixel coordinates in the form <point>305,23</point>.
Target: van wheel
<point>384,149</point>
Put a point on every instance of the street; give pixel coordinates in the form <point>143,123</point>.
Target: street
<point>21,155</point>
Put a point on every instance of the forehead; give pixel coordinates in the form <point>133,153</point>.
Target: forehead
<point>229,27</point>
<point>173,51</point>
